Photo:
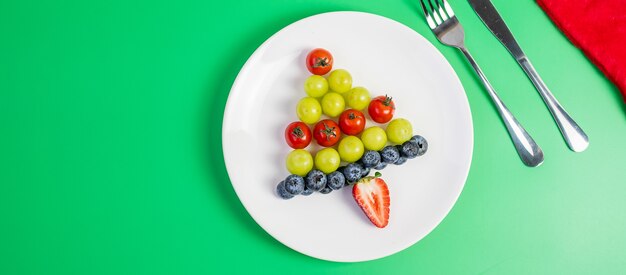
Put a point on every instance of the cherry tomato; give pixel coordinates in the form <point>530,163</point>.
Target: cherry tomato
<point>326,133</point>
<point>319,61</point>
<point>351,122</point>
<point>381,109</point>
<point>298,135</point>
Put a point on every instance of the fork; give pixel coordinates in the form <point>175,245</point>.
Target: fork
<point>446,27</point>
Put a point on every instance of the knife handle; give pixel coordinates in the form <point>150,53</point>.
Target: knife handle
<point>528,150</point>
<point>575,137</point>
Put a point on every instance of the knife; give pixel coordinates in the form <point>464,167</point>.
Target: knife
<point>574,136</point>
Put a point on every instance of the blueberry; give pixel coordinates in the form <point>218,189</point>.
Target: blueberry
<point>365,172</point>
<point>389,154</point>
<point>422,144</point>
<point>370,159</point>
<point>336,180</point>
<point>307,191</point>
<point>282,193</point>
<point>399,148</point>
<point>294,184</point>
<point>381,165</point>
<point>326,190</point>
<point>409,150</point>
<point>352,172</point>
<point>400,161</point>
<point>316,180</point>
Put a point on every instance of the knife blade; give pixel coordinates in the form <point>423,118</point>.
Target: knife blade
<point>491,18</point>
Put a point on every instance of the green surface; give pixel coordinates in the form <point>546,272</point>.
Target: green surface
<point>111,160</point>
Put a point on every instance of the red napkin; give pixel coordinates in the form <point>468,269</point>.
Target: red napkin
<point>598,27</point>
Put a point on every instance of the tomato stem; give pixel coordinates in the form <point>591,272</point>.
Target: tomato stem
<point>297,132</point>
<point>329,131</point>
<point>387,101</point>
<point>320,62</point>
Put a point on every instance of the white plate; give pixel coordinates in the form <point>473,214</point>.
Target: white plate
<point>387,58</point>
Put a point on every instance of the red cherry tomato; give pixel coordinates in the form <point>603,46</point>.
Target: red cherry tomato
<point>381,109</point>
<point>351,122</point>
<point>326,133</point>
<point>319,61</point>
<point>298,135</point>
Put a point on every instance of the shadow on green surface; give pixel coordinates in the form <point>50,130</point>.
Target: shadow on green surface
<point>620,99</point>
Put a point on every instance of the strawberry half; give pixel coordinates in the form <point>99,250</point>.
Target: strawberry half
<point>372,195</point>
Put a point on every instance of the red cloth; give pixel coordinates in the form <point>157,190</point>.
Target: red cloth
<point>598,27</point>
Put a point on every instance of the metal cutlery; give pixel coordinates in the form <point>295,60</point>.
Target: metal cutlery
<point>574,136</point>
<point>446,27</point>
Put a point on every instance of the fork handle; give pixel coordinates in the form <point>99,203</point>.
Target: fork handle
<point>575,137</point>
<point>526,147</point>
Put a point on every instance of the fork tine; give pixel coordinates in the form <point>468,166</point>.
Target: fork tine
<point>448,9</point>
<point>440,11</point>
<point>429,18</point>
<point>434,14</point>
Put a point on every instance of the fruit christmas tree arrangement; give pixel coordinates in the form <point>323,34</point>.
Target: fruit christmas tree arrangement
<point>350,148</point>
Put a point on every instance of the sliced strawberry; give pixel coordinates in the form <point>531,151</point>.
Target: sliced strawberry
<point>372,195</point>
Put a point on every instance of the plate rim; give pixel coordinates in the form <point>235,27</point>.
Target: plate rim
<point>260,49</point>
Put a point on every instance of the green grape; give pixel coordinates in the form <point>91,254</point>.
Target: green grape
<point>340,81</point>
<point>299,162</point>
<point>327,160</point>
<point>399,130</point>
<point>316,86</point>
<point>333,104</point>
<point>309,110</point>
<point>374,138</point>
<point>358,98</point>
<point>350,149</point>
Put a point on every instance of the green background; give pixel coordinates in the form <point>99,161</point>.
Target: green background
<point>111,160</point>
